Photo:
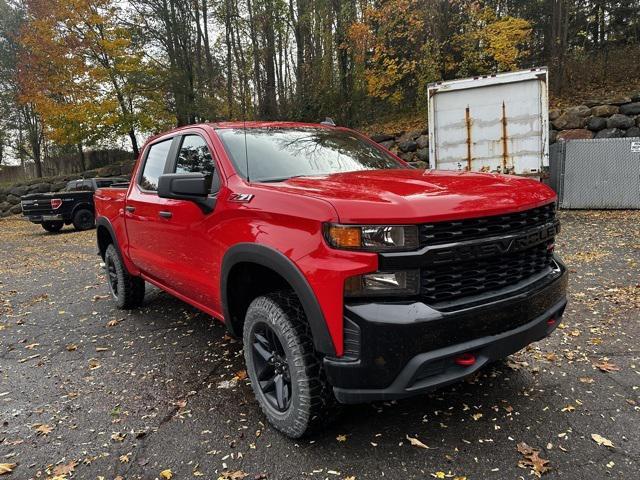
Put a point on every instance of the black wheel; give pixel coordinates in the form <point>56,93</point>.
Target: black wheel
<point>84,219</point>
<point>52,226</point>
<point>126,290</point>
<point>285,371</point>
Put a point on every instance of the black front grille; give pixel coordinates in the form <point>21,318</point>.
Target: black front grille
<point>473,228</point>
<point>459,279</point>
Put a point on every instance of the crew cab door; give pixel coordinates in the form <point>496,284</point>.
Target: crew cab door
<point>169,240</point>
<point>143,207</point>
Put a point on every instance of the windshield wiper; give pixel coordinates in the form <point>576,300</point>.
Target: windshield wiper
<point>282,179</point>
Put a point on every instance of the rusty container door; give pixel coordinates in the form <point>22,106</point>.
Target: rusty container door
<point>490,124</point>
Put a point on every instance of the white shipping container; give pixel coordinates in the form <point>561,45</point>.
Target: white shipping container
<point>496,123</point>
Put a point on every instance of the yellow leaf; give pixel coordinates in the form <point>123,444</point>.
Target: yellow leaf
<point>415,442</point>
<point>166,474</point>
<point>7,468</point>
<point>600,440</point>
<point>341,438</point>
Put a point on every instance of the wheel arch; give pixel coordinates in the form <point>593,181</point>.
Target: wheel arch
<point>281,265</point>
<point>105,236</point>
<point>83,205</point>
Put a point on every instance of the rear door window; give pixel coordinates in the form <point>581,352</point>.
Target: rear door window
<point>154,165</point>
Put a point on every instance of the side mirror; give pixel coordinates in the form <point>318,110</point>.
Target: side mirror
<point>187,186</point>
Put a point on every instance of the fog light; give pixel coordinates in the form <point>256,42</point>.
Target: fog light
<point>404,282</point>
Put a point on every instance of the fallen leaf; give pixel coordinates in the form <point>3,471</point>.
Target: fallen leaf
<point>606,366</point>
<point>117,437</point>
<point>415,442</point>
<point>569,408</point>
<point>124,458</point>
<point>600,440</point>
<point>65,469</point>
<point>72,347</point>
<point>539,466</point>
<point>586,380</point>
<point>241,375</point>
<point>341,438</point>
<point>42,429</point>
<point>476,416</point>
<point>235,475</point>
<point>31,346</point>
<point>113,323</point>
<point>166,474</point>
<point>7,468</point>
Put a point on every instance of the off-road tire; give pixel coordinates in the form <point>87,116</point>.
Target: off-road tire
<point>312,403</point>
<point>129,290</point>
<point>52,227</point>
<point>84,219</point>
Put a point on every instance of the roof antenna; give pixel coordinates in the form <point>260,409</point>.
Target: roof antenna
<point>244,129</point>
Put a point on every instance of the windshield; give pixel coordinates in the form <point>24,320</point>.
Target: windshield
<point>277,154</point>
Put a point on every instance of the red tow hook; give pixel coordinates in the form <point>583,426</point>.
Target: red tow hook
<point>465,359</point>
<point>551,321</point>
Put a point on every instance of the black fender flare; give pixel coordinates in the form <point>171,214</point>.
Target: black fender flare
<point>103,222</point>
<point>86,205</point>
<point>283,266</point>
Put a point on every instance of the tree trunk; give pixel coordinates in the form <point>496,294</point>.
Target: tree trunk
<point>81,157</point>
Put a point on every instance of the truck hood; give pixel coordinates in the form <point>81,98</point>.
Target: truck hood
<point>396,196</point>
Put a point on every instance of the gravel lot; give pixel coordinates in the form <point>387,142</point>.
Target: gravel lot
<point>87,391</point>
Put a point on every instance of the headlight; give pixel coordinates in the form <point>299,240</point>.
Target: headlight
<point>375,238</point>
<point>380,284</point>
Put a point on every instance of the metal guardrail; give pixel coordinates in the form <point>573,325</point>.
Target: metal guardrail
<point>599,173</point>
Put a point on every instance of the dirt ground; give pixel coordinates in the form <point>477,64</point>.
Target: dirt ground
<point>91,392</point>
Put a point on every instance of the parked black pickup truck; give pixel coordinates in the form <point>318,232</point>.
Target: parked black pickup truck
<point>73,205</point>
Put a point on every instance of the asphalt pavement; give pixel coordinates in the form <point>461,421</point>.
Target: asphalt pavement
<point>91,392</point>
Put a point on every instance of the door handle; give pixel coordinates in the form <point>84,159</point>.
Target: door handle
<point>130,209</point>
<point>164,214</point>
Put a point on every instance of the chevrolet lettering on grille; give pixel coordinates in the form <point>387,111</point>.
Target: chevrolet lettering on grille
<point>490,247</point>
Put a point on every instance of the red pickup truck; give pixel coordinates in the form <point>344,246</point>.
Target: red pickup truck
<point>349,275</point>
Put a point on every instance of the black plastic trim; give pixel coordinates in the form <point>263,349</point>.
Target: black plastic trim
<point>104,222</point>
<point>279,263</point>
<point>435,369</point>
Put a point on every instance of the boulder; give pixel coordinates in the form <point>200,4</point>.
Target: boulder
<point>388,144</point>
<point>408,146</point>
<point>422,154</point>
<point>5,206</point>
<point>56,187</point>
<point>592,103</point>
<point>620,121</point>
<point>406,156</point>
<point>633,132</point>
<point>604,110</point>
<point>18,191</point>
<point>109,171</point>
<point>580,110</point>
<point>3,197</point>
<point>554,113</point>
<point>610,133</point>
<point>595,124</point>
<point>41,187</point>
<point>575,134</point>
<point>381,137</point>
<point>420,165</point>
<point>16,209</point>
<point>414,134</point>
<point>423,141</point>
<point>630,109</point>
<point>127,168</point>
<point>636,97</point>
<point>12,199</point>
<point>617,101</point>
<point>569,121</point>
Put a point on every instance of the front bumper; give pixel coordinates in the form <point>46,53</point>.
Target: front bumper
<point>396,350</point>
